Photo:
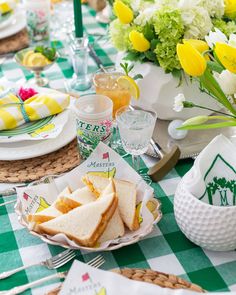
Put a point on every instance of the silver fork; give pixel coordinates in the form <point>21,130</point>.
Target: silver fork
<point>95,262</point>
<point>51,263</point>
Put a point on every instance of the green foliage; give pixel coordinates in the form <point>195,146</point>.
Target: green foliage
<point>128,68</point>
<point>226,26</point>
<point>211,85</point>
<point>215,67</point>
<point>48,52</point>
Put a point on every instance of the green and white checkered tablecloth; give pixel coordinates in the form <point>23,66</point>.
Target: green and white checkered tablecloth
<point>166,249</point>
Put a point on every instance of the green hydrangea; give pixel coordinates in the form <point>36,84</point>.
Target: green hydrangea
<point>226,27</point>
<point>167,56</point>
<point>169,27</point>
<point>119,34</point>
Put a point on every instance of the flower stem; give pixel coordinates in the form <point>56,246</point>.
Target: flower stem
<point>209,109</point>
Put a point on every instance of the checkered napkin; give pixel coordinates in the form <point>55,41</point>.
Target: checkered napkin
<point>86,280</point>
<point>212,179</point>
<point>15,112</point>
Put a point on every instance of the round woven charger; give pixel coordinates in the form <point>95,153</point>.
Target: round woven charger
<point>154,277</point>
<point>33,169</point>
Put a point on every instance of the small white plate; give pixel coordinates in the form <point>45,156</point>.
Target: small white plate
<point>30,149</point>
<point>18,23</point>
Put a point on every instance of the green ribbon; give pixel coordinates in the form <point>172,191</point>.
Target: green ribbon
<point>22,108</point>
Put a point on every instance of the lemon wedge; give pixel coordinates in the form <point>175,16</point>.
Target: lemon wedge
<point>26,57</point>
<point>129,84</point>
<point>37,60</point>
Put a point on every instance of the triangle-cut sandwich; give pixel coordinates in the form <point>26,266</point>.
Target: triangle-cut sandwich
<point>85,224</point>
<point>79,197</point>
<point>49,213</point>
<point>126,193</point>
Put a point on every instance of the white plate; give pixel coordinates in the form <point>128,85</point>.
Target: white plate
<point>8,21</point>
<point>18,24</point>
<point>30,149</point>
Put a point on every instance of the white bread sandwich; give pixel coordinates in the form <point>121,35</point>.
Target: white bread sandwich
<point>44,215</point>
<point>79,197</point>
<point>49,213</point>
<point>126,193</point>
<point>84,224</point>
<point>114,230</point>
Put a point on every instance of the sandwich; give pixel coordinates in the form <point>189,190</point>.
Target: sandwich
<point>126,194</point>
<point>114,229</point>
<point>85,224</point>
<point>79,197</point>
<point>49,213</point>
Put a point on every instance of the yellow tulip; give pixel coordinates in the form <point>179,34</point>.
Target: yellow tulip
<point>139,42</point>
<point>226,55</point>
<point>193,63</point>
<point>230,8</point>
<point>200,45</point>
<point>123,12</point>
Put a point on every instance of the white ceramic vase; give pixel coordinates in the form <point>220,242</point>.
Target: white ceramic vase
<point>158,90</point>
<point>210,227</point>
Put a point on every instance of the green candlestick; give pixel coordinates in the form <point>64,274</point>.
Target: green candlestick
<point>78,19</point>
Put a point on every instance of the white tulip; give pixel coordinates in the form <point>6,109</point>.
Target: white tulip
<point>214,37</point>
<point>227,81</point>
<point>178,104</point>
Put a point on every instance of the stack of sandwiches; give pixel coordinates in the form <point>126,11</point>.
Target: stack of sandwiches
<point>91,215</point>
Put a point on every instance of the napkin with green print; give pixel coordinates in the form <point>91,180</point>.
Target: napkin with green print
<point>212,179</point>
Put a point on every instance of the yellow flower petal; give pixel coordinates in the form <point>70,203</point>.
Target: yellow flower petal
<point>227,56</point>
<point>123,12</point>
<point>139,42</point>
<point>230,8</point>
<point>191,60</point>
<point>200,45</point>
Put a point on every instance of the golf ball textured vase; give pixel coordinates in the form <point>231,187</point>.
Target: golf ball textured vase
<point>211,227</point>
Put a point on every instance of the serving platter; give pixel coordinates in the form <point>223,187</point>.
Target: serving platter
<point>48,188</point>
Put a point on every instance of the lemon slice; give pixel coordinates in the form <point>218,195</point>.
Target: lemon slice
<point>26,57</point>
<point>36,60</point>
<point>129,84</point>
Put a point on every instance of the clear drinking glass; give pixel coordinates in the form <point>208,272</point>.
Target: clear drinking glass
<point>106,84</point>
<point>79,57</point>
<point>136,127</point>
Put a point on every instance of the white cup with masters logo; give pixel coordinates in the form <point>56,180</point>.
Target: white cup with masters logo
<point>93,122</point>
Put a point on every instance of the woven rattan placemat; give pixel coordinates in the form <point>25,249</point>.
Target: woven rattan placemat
<point>14,43</point>
<point>154,277</point>
<point>33,169</point>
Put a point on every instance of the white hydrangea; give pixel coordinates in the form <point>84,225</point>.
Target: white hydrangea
<point>135,5</point>
<point>139,5</point>
<point>197,22</point>
<point>215,8</point>
<point>145,15</point>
